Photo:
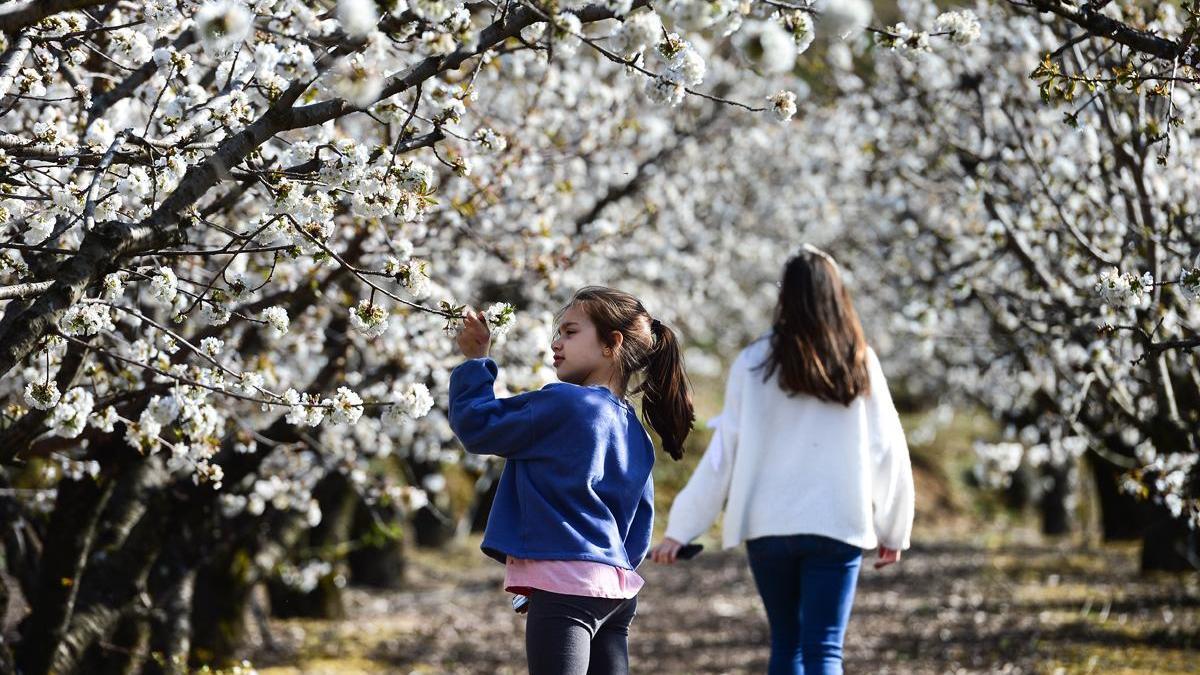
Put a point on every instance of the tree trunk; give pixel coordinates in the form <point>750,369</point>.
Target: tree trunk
<point>485,493</point>
<point>378,558</point>
<point>171,633</point>
<point>1056,500</point>
<point>77,509</point>
<point>1168,545</point>
<point>1121,515</point>
<point>338,500</point>
<point>125,651</point>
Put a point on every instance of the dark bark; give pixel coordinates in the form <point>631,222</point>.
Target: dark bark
<point>111,587</point>
<point>173,582</point>
<point>219,609</point>
<point>1121,515</point>
<point>7,665</point>
<point>377,560</point>
<point>431,527</point>
<point>1168,545</point>
<point>1057,519</point>
<point>72,529</point>
<point>338,500</point>
<point>485,492</point>
<point>125,651</point>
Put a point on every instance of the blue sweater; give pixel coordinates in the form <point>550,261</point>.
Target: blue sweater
<point>577,483</point>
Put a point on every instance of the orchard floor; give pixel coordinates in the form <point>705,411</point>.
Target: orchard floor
<point>980,603</point>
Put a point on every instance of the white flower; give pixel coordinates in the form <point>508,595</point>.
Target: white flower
<point>207,472</point>
<point>71,413</point>
<point>801,25</point>
<point>567,28</point>
<point>434,482</point>
<point>500,317</point>
<point>161,15</point>
<point>416,400</point>
<point>347,407</point>
<point>638,30</point>
<point>765,45</point>
<point>164,285</point>
<point>910,43</point>
<point>42,395</point>
<point>1189,283</point>
<point>357,82</point>
<point>222,25</point>
<point>963,25</point>
<point>162,409</point>
<point>841,17</point>
<point>100,135</point>
<point>114,285</point>
<point>666,88</point>
<point>412,498</point>
<point>214,313</point>
<point>305,409</point>
<point>414,275</point>
<point>86,319</point>
<point>358,17</point>
<point>277,319</point>
<point>1122,290</point>
<point>490,140</point>
<point>783,105</point>
<point>369,319</point>
<point>433,11</point>
<point>211,346</point>
<point>106,420</point>
<point>683,59</point>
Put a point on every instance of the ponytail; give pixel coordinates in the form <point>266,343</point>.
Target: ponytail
<point>651,348</point>
<point>666,398</point>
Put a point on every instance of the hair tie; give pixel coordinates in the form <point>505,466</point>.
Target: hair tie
<point>655,325</point>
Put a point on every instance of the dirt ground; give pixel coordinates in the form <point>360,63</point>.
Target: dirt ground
<point>979,603</point>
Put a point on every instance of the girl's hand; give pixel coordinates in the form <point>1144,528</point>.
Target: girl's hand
<point>665,552</point>
<point>887,556</point>
<point>474,337</point>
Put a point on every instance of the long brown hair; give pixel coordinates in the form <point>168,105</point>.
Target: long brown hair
<point>650,347</point>
<point>817,342</point>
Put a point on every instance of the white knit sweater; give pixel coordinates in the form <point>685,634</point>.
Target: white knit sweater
<point>799,465</point>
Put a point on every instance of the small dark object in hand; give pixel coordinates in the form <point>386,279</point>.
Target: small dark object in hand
<point>688,551</point>
<point>520,604</point>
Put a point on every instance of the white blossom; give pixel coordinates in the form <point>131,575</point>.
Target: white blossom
<point>222,25</point>
<point>347,407</point>
<point>70,415</point>
<point>358,17</point>
<point>963,26</point>
<point>369,319</point>
<point>766,46</point>
<point>164,285</point>
<point>783,105</point>
<point>42,395</point>
<point>277,320</point>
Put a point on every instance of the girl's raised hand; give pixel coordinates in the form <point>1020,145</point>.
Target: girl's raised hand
<point>474,338</point>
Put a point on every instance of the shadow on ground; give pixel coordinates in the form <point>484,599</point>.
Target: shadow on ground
<point>948,607</point>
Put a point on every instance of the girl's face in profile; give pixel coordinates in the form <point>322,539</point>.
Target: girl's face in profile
<point>578,352</point>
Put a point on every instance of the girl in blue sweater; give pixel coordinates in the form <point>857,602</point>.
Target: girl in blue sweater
<point>574,508</point>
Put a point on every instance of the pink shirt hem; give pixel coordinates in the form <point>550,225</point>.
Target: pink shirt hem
<point>571,577</point>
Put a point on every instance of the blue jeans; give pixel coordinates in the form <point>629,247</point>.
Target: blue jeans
<point>807,585</point>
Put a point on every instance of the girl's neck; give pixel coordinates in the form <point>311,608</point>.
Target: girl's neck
<point>606,378</point>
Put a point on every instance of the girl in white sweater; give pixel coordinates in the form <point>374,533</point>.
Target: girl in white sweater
<point>810,463</point>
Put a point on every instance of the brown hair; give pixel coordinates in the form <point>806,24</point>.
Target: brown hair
<point>650,347</point>
<point>817,342</point>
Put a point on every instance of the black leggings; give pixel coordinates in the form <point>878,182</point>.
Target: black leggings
<point>577,635</point>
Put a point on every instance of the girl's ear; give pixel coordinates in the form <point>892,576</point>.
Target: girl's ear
<point>617,340</point>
